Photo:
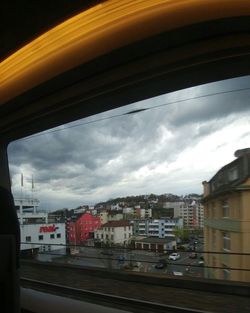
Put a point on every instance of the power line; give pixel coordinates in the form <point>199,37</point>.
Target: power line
<point>136,111</point>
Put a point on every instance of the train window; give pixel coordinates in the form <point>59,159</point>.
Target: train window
<point>141,165</point>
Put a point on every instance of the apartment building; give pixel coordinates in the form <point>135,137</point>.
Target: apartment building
<point>114,232</point>
<point>160,228</point>
<point>192,215</point>
<point>227,220</point>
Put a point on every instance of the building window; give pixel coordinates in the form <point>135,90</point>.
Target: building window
<point>226,241</point>
<point>40,237</point>
<point>28,238</point>
<point>58,235</point>
<point>213,240</point>
<point>112,237</point>
<point>225,208</point>
<point>226,272</point>
<point>233,174</point>
<point>52,236</point>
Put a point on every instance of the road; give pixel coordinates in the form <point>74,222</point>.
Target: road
<point>123,259</point>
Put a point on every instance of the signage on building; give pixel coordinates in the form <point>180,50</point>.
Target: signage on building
<point>48,229</point>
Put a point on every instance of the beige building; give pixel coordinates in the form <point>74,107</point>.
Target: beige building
<point>114,233</point>
<point>227,220</point>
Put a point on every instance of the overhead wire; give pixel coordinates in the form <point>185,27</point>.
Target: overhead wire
<point>139,110</point>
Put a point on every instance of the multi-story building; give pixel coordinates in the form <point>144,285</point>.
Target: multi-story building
<point>114,232</point>
<point>83,227</point>
<point>172,209</point>
<point>160,228</point>
<point>227,220</point>
<point>38,231</point>
<point>192,215</point>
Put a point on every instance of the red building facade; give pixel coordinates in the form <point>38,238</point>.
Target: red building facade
<point>83,228</point>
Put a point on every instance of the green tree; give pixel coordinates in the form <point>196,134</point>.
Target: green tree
<point>181,233</point>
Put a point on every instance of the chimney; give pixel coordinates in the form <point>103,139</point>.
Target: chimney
<point>206,188</point>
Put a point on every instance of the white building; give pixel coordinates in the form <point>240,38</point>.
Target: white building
<point>128,210</point>
<point>114,232</point>
<point>146,213</point>
<point>43,237</point>
<point>35,230</point>
<point>159,228</point>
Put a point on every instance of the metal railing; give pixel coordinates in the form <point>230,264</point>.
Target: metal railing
<point>130,255</point>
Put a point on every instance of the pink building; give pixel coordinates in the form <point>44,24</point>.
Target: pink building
<point>83,228</point>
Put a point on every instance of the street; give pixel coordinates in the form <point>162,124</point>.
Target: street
<point>131,260</point>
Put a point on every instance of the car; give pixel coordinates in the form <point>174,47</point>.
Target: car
<point>161,264</point>
<point>177,273</point>
<point>193,255</point>
<point>174,256</point>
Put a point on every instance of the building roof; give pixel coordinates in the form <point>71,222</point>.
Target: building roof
<point>155,240</point>
<point>116,224</point>
<point>221,183</point>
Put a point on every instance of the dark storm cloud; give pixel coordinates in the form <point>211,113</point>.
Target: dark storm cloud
<point>107,153</point>
<point>217,107</point>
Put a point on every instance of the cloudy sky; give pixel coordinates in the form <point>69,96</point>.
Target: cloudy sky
<point>182,139</point>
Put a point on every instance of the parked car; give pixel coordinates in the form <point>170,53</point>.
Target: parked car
<point>177,273</point>
<point>174,256</point>
<point>161,264</point>
<point>201,261</point>
<point>193,255</point>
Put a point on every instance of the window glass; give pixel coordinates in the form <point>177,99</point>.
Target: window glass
<point>233,174</point>
<point>225,208</point>
<point>226,241</point>
<point>28,238</point>
<point>143,163</point>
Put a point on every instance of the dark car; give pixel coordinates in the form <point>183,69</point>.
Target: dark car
<point>161,264</point>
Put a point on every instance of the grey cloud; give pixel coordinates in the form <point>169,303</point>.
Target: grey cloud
<point>77,158</point>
